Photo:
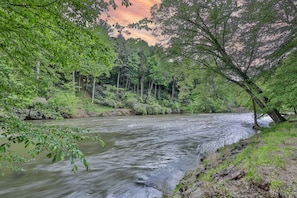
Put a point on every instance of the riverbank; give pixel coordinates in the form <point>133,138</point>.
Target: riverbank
<point>261,166</point>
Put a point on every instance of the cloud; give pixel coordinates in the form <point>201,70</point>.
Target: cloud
<point>124,16</point>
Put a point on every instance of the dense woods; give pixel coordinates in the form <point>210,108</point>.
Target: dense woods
<point>57,58</point>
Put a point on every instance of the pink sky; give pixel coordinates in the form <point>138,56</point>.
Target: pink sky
<point>139,10</point>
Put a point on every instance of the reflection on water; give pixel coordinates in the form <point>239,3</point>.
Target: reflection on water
<point>143,156</point>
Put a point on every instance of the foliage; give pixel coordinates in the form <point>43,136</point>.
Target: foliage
<point>282,86</point>
<point>203,91</point>
<point>172,105</point>
<point>41,43</point>
<point>85,104</point>
<point>64,102</point>
<point>44,41</point>
<point>153,109</point>
<point>57,143</point>
<point>225,38</point>
<point>140,109</point>
<point>130,99</point>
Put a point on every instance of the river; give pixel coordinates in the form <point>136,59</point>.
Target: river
<point>143,156</point>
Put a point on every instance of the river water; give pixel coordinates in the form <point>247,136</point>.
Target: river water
<point>143,156</point>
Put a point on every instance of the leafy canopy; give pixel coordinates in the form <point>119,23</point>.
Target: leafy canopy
<point>238,40</point>
<point>41,43</point>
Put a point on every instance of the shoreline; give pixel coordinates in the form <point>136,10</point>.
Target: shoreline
<point>263,165</point>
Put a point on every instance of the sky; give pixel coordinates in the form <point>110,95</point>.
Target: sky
<point>124,16</point>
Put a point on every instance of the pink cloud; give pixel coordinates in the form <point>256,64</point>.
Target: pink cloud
<point>124,16</point>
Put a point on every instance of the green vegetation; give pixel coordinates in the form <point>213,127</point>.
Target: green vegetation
<point>58,61</point>
<point>232,40</point>
<point>42,44</point>
<point>265,166</point>
<point>57,143</point>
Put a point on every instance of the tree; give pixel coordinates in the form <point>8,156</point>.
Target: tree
<point>50,36</point>
<point>143,53</point>
<point>161,72</point>
<point>137,54</point>
<point>98,58</point>
<point>237,40</point>
<point>200,91</point>
<point>122,61</point>
<point>282,86</point>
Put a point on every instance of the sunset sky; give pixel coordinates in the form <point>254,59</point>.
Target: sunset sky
<point>139,10</point>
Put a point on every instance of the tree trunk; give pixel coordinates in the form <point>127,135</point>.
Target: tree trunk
<point>151,85</point>
<point>253,90</point>
<point>256,125</point>
<point>37,70</point>
<point>274,113</point>
<point>173,89</point>
<point>295,111</point>
<point>93,90</point>
<point>87,82</point>
<point>156,87</point>
<point>141,87</point>
<point>276,116</point>
<point>79,82</point>
<point>159,93</point>
<point>73,80</point>
<point>127,86</point>
<point>37,75</point>
<point>118,82</point>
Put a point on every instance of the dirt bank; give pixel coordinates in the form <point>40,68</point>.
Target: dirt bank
<point>114,112</point>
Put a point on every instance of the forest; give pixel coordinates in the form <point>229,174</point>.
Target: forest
<point>58,59</point>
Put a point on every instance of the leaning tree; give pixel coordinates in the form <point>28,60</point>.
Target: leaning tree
<point>238,40</point>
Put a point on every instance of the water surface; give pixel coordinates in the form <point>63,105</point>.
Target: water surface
<point>143,156</point>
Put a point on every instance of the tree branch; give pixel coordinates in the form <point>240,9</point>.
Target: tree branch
<point>30,6</point>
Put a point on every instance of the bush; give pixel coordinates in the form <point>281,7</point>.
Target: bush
<point>139,109</point>
<point>63,102</point>
<point>130,99</point>
<point>149,109</point>
<point>43,111</point>
<point>206,105</point>
<point>150,100</point>
<point>157,109</point>
<point>166,103</point>
<point>166,110</point>
<point>175,107</point>
<point>111,103</point>
<point>171,106</point>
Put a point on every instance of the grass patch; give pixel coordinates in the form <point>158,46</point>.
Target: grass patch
<point>86,104</point>
<point>268,161</point>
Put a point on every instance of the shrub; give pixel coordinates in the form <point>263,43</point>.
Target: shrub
<point>157,109</point>
<point>166,110</point>
<point>139,109</point>
<point>149,109</point>
<point>130,99</point>
<point>64,102</point>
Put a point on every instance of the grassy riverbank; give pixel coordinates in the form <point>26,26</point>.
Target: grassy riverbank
<point>261,166</point>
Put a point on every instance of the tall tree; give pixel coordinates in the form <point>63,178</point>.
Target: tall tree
<point>49,32</point>
<point>122,61</point>
<point>235,39</point>
<point>36,34</point>
<point>98,58</point>
<point>138,54</point>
